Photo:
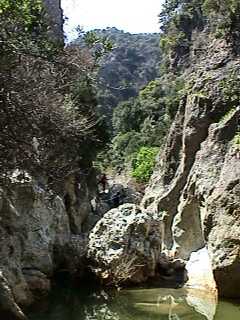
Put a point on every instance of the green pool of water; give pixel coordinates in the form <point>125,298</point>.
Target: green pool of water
<point>141,304</point>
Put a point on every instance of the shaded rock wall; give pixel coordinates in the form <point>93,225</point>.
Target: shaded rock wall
<point>80,190</point>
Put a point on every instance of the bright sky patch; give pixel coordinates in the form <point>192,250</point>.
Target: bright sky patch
<point>134,16</point>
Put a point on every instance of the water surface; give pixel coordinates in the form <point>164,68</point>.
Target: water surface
<point>142,304</point>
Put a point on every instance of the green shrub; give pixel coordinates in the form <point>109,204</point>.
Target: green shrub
<point>124,145</point>
<point>24,29</point>
<point>230,87</point>
<point>172,41</point>
<point>143,164</point>
<point>222,15</point>
<point>236,141</point>
<point>227,116</point>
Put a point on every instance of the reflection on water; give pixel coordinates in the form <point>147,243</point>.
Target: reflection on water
<point>171,304</point>
<point>141,304</point>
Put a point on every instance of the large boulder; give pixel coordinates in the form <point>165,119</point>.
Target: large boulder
<point>125,246</point>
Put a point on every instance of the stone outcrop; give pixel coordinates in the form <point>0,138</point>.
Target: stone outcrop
<point>122,240</point>
<point>80,190</point>
<point>33,225</point>
<point>39,237</point>
<point>222,210</point>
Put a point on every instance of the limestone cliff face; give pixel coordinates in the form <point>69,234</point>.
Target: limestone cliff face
<point>196,186</point>
<point>39,236</point>
<point>32,226</point>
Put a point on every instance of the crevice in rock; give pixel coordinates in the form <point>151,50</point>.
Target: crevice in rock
<point>170,201</point>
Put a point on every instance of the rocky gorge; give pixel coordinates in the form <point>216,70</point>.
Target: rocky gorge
<point>184,232</point>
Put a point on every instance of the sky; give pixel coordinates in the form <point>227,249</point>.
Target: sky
<point>134,16</point>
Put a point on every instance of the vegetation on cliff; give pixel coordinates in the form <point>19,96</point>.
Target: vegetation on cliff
<point>143,121</point>
<point>180,19</point>
<point>48,119</point>
<point>56,121</point>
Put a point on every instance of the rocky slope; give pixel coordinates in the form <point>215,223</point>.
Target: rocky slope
<point>42,234</point>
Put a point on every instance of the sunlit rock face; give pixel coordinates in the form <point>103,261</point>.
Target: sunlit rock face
<point>125,247</point>
<point>199,272</point>
<point>195,188</point>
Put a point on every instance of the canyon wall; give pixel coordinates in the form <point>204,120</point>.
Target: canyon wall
<point>196,185</point>
<point>191,208</point>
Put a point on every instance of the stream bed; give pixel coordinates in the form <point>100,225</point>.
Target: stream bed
<point>67,303</point>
